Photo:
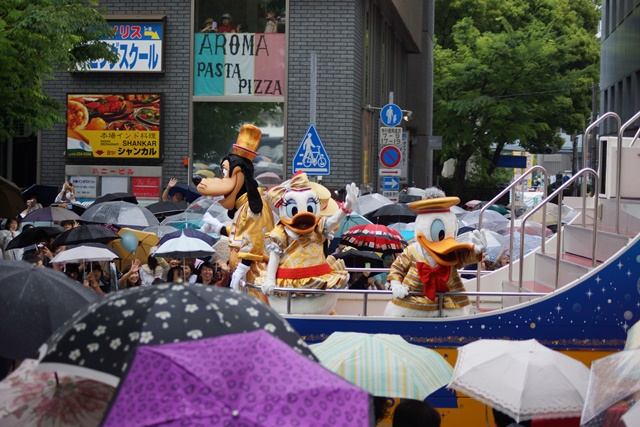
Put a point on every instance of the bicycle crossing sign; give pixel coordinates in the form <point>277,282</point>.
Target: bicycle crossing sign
<point>311,156</point>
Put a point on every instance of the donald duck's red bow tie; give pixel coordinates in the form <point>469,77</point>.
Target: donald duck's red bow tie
<point>434,279</point>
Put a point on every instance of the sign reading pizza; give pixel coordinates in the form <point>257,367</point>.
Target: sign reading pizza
<point>114,125</point>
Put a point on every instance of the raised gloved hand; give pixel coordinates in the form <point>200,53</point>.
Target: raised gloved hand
<point>479,241</point>
<point>240,273</point>
<point>351,197</point>
<point>211,224</point>
<point>398,289</point>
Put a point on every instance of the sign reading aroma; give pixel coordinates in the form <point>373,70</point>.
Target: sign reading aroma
<point>249,64</point>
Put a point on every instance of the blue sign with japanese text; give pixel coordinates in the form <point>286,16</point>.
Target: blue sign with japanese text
<point>139,46</point>
<point>311,156</point>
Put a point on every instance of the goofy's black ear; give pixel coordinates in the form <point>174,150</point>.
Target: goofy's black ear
<point>255,199</point>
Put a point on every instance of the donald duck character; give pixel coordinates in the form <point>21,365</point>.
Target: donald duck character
<point>251,215</point>
<point>431,263</point>
<point>296,246</point>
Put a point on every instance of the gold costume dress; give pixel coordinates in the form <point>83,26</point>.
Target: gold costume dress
<point>405,270</point>
<point>302,261</point>
<point>246,239</point>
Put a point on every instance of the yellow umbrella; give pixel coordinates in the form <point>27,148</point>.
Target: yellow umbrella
<point>133,244</point>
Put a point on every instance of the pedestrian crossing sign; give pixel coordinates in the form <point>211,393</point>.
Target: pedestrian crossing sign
<point>311,156</point>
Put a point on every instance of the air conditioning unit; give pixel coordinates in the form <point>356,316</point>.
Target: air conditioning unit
<point>630,166</point>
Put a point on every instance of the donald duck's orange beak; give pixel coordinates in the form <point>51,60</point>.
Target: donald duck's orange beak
<point>444,251</point>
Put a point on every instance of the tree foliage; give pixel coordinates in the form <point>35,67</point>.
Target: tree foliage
<point>37,39</point>
<point>511,71</point>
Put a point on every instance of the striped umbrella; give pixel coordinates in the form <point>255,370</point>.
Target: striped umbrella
<point>384,364</point>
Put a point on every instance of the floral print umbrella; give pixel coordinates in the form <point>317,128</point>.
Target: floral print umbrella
<point>247,379</point>
<point>100,340</point>
<point>43,399</point>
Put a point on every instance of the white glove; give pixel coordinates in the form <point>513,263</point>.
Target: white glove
<point>398,289</point>
<point>268,287</point>
<point>239,274</point>
<point>351,197</point>
<point>211,224</point>
<point>479,241</point>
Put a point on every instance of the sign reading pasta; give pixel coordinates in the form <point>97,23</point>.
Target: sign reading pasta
<point>249,64</point>
<point>114,125</point>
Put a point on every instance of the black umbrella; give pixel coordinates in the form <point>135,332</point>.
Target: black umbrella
<point>86,233</point>
<point>44,194</point>
<point>355,258</point>
<point>11,202</point>
<point>189,232</point>
<point>389,214</point>
<point>102,338</point>
<point>190,193</point>
<point>116,197</point>
<point>162,209</point>
<point>33,235</point>
<point>75,207</point>
<point>34,302</point>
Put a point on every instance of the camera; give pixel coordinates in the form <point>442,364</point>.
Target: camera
<point>40,245</point>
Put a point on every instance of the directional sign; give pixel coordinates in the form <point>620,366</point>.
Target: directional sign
<point>390,156</point>
<point>391,183</point>
<point>389,172</point>
<point>311,156</point>
<point>391,115</point>
<point>391,195</point>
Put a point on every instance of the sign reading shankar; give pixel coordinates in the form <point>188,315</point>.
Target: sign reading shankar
<point>249,64</point>
<point>114,125</point>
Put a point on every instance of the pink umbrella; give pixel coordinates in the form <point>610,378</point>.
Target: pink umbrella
<point>246,379</point>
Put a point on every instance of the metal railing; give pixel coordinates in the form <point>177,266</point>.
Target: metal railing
<point>558,192</point>
<point>512,187</point>
<point>366,293</point>
<point>619,162</point>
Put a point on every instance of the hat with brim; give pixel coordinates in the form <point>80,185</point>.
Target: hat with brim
<point>328,206</point>
<point>225,16</point>
<point>435,204</point>
<point>208,21</point>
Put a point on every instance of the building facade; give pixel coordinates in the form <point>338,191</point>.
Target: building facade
<point>291,64</point>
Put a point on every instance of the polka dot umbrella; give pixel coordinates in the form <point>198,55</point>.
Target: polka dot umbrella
<point>100,340</point>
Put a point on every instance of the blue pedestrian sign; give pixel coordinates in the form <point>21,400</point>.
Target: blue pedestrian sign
<point>391,183</point>
<point>311,156</point>
<point>391,115</point>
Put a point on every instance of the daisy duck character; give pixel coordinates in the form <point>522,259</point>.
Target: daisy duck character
<point>431,263</point>
<point>296,246</point>
<point>251,214</point>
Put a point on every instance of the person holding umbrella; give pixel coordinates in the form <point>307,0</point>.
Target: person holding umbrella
<point>92,280</point>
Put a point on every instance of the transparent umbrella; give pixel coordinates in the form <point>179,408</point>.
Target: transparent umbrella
<point>370,202</point>
<point>121,213</point>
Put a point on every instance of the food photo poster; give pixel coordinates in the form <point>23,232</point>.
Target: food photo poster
<point>114,125</point>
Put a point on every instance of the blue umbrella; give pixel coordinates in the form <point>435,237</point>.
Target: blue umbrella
<point>349,221</point>
<point>190,193</point>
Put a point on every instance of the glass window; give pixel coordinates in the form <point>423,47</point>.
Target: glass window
<point>239,48</point>
<point>216,126</point>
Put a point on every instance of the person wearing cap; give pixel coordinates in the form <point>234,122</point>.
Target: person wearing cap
<point>252,215</point>
<point>209,26</point>
<point>226,26</point>
<point>430,264</point>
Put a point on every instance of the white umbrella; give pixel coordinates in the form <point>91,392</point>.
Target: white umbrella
<point>491,220</point>
<point>370,202</point>
<point>87,252</point>
<point>612,379</point>
<point>522,379</point>
<point>160,230</point>
<point>184,247</point>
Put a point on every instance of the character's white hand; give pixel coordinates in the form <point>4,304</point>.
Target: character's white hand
<point>268,287</point>
<point>479,241</point>
<point>211,224</point>
<point>351,197</point>
<point>239,274</point>
<point>398,289</point>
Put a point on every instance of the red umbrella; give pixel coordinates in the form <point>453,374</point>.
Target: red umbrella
<point>374,237</point>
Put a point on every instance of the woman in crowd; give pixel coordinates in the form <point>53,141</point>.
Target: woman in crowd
<point>175,275</point>
<point>131,276</point>
<point>7,235</point>
<point>155,268</point>
<point>206,273</point>
<point>92,280</point>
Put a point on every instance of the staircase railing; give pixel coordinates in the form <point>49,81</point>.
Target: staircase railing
<point>558,192</point>
<point>619,162</point>
<point>511,187</point>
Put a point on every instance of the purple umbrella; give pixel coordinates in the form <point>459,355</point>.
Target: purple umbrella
<point>247,379</point>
